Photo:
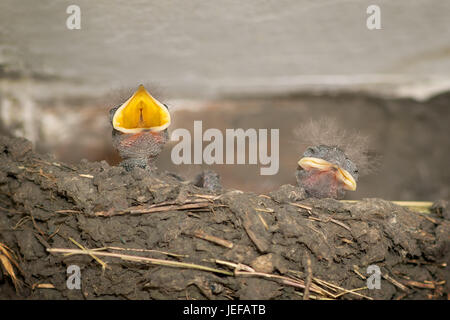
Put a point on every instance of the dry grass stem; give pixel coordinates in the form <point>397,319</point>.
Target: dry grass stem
<point>235,266</point>
<point>103,264</point>
<point>222,242</point>
<point>125,257</point>
<point>343,290</point>
<point>188,205</point>
<point>303,206</point>
<point>418,206</point>
<point>7,260</point>
<point>308,277</point>
<point>142,250</point>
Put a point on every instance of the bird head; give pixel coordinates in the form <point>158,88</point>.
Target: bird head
<point>324,163</point>
<point>140,113</point>
<point>334,161</point>
<point>140,129</point>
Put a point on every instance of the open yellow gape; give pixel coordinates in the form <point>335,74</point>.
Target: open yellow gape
<point>140,113</point>
<point>342,175</point>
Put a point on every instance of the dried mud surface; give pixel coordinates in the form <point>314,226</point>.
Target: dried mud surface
<point>257,246</point>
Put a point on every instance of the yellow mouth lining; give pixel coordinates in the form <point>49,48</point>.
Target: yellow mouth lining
<point>140,113</point>
<point>342,175</point>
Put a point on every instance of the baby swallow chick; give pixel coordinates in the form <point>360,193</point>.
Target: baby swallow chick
<point>331,165</point>
<point>140,129</point>
<point>326,172</point>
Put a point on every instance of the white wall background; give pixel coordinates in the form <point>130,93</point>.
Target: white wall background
<point>203,48</point>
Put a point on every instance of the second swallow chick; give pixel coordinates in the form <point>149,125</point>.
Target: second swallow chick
<point>333,162</point>
<point>326,172</point>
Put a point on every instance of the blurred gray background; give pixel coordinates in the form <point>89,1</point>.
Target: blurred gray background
<point>250,64</point>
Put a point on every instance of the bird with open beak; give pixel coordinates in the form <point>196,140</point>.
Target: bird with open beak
<point>326,172</point>
<point>140,133</point>
<point>140,129</point>
<point>331,165</point>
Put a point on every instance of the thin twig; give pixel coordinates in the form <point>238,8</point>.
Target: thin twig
<point>265,210</point>
<point>103,264</point>
<point>42,286</point>
<point>421,285</point>
<point>156,208</point>
<point>21,222</point>
<point>356,270</point>
<point>86,175</point>
<point>263,222</point>
<point>308,277</point>
<point>314,297</point>
<point>235,266</point>
<point>142,250</point>
<point>303,206</point>
<point>419,206</point>
<point>68,211</point>
<point>329,219</point>
<point>395,282</point>
<point>285,280</point>
<point>352,291</point>
<point>343,289</point>
<point>207,196</point>
<point>36,226</point>
<point>202,235</point>
<point>161,262</point>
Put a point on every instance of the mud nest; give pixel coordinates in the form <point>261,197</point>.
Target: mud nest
<point>141,235</point>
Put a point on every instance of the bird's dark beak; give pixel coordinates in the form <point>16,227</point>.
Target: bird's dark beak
<point>140,113</point>
<point>342,175</point>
